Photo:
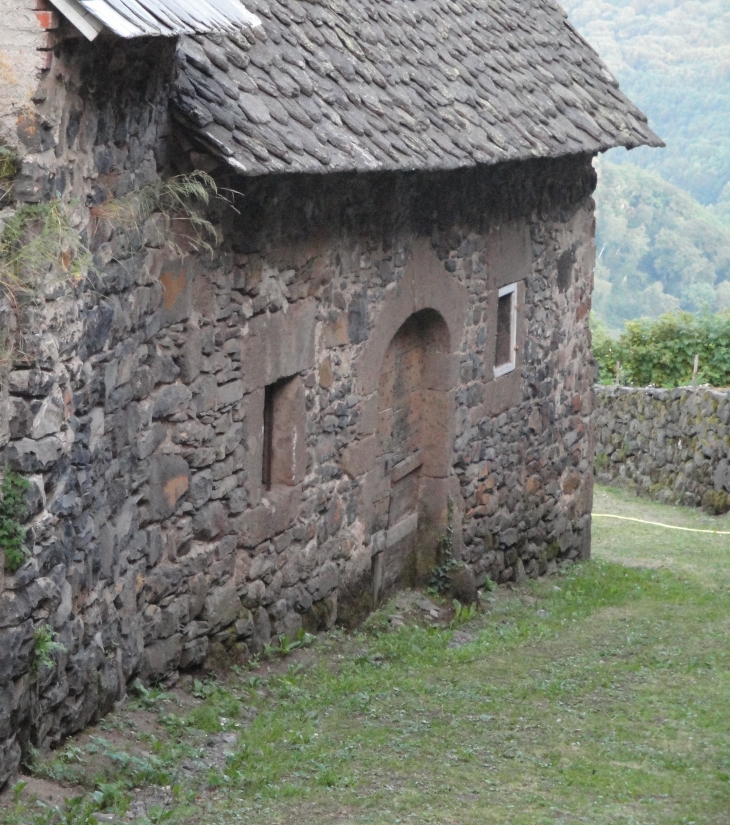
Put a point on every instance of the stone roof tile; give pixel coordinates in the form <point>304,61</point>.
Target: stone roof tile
<point>328,85</point>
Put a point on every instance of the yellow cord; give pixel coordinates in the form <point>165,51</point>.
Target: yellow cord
<point>668,526</point>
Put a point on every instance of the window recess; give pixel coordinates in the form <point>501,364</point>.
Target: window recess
<point>284,454</point>
<point>506,345</point>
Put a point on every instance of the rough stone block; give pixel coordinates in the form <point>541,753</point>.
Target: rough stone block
<point>190,360</point>
<point>18,605</point>
<point>15,650</point>
<point>194,653</point>
<point>28,456</point>
<point>177,295</point>
<point>229,393</point>
<point>9,760</point>
<point>169,481</point>
<point>222,607</point>
<point>279,345</point>
<point>170,399</point>
<point>35,383</point>
<point>162,657</point>
<point>210,521</point>
<point>324,582</point>
<point>50,416</point>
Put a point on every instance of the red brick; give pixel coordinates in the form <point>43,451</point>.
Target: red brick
<point>47,19</point>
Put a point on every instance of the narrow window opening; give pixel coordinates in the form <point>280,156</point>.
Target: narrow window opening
<point>268,455</point>
<point>284,448</point>
<point>504,360</point>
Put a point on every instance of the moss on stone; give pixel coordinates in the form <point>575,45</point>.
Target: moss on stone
<point>321,615</point>
<point>716,502</point>
<point>552,551</point>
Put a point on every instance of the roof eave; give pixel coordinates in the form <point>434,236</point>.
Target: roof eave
<point>155,18</point>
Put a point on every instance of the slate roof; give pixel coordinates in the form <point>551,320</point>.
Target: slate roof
<point>364,85</point>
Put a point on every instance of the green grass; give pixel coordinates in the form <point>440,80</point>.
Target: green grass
<point>701,557</point>
<point>597,696</point>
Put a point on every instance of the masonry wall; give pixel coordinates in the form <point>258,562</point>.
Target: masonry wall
<point>672,445</point>
<point>137,407</point>
<point>26,42</point>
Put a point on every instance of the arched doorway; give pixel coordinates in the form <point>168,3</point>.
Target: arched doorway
<point>412,428</point>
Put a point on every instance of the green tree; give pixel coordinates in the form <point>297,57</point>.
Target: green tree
<point>672,57</point>
<point>658,250</point>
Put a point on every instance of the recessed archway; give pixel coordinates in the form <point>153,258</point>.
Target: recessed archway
<point>413,408</point>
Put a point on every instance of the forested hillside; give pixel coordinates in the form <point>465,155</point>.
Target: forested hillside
<point>663,232</point>
<point>657,249</point>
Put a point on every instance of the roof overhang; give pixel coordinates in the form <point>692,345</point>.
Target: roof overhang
<point>161,18</point>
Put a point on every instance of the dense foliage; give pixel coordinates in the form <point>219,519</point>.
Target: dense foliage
<point>658,250</point>
<point>664,214</point>
<point>662,352</point>
<point>672,57</point>
<point>12,509</point>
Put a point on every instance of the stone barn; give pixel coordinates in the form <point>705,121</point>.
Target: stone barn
<point>386,345</point>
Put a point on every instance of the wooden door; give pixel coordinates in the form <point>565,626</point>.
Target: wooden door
<point>403,447</point>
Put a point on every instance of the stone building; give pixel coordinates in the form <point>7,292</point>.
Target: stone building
<point>388,340</point>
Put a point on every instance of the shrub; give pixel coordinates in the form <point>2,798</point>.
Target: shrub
<point>12,510</point>
<point>662,352</point>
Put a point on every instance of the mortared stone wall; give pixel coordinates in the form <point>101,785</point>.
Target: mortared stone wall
<point>342,333</point>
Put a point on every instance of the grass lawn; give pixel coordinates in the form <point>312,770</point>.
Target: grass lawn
<point>601,695</point>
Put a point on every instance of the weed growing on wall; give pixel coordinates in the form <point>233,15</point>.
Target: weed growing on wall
<point>37,237</point>
<point>44,646</point>
<point>285,646</point>
<point>42,238</point>
<point>178,200</point>
<point>662,352</point>
<point>8,168</point>
<point>7,353</point>
<point>12,510</point>
<point>463,614</point>
<point>445,561</point>
<point>41,235</point>
<point>8,163</point>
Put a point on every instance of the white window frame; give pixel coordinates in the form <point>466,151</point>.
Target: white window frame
<point>508,366</point>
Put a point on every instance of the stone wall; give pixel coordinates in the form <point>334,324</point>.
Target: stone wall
<point>671,445</point>
<point>140,405</point>
<point>97,127</point>
<point>27,37</point>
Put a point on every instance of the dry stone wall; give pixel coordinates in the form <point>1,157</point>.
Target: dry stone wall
<point>672,445</point>
<point>138,406</point>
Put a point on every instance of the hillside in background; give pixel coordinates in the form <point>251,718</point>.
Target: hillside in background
<point>664,214</point>
<point>657,249</point>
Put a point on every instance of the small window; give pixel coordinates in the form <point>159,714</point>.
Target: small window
<point>283,433</point>
<point>269,393</point>
<point>504,360</point>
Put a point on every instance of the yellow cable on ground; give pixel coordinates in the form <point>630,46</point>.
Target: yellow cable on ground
<point>668,526</point>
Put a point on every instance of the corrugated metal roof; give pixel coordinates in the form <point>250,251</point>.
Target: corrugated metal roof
<point>166,18</point>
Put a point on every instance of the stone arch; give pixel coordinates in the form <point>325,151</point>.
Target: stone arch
<point>425,297</point>
<point>413,448</point>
